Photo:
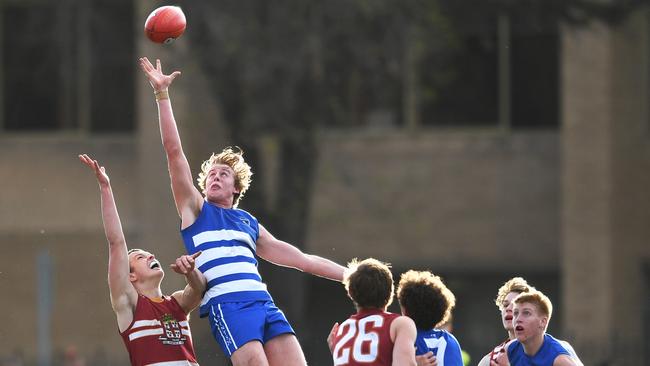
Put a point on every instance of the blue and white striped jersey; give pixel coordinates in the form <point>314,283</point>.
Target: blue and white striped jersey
<point>227,239</point>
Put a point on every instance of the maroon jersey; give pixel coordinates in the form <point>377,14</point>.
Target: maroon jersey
<point>498,349</point>
<point>159,334</point>
<point>364,340</point>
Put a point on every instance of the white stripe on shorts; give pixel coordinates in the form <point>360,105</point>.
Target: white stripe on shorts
<point>216,322</point>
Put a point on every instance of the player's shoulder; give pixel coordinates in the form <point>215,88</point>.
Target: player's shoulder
<point>403,327</point>
<point>512,344</point>
<point>450,340</point>
<point>245,215</point>
<point>564,360</point>
<point>450,337</point>
<point>485,361</point>
<point>403,323</point>
<point>567,346</point>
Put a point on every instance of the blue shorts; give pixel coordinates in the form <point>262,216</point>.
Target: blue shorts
<point>237,323</point>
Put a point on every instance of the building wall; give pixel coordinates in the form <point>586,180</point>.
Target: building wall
<point>476,207</point>
<point>605,169</point>
<point>451,199</point>
<point>50,209</point>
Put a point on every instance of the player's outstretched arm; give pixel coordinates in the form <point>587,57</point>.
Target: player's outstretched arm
<point>190,297</point>
<point>284,254</point>
<point>187,198</point>
<point>404,332</point>
<point>123,294</point>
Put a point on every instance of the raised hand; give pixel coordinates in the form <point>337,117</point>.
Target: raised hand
<point>100,171</point>
<point>185,263</point>
<point>157,79</point>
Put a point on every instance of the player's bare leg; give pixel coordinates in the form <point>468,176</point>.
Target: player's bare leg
<point>250,354</point>
<point>284,350</point>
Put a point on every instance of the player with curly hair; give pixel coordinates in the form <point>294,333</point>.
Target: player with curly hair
<point>424,298</point>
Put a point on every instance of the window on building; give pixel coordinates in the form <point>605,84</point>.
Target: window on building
<point>449,65</point>
<point>501,69</point>
<point>67,65</point>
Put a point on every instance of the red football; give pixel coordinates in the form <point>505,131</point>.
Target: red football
<point>165,24</point>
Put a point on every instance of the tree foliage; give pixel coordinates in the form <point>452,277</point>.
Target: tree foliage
<point>288,68</point>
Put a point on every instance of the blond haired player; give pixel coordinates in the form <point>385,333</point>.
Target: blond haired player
<point>505,303</point>
<point>248,326</point>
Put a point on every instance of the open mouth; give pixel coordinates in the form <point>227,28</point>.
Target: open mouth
<point>519,328</point>
<point>154,264</point>
<point>508,317</point>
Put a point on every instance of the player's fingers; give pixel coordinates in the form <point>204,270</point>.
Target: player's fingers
<point>182,267</point>
<point>185,262</point>
<point>178,269</point>
<point>145,64</point>
<point>195,255</point>
<point>97,167</point>
<point>158,65</point>
<point>174,75</point>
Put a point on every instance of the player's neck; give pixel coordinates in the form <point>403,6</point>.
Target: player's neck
<point>153,294</point>
<point>150,291</point>
<point>368,310</point>
<point>533,344</point>
<point>227,204</point>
